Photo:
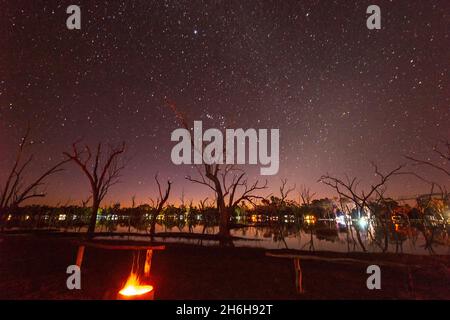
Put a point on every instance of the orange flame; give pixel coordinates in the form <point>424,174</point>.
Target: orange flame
<point>134,287</point>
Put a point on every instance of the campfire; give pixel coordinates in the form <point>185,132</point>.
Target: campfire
<point>138,285</point>
<point>135,289</point>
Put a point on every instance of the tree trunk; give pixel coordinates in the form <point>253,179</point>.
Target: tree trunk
<point>93,220</point>
<point>2,223</point>
<point>224,227</point>
<point>153,225</point>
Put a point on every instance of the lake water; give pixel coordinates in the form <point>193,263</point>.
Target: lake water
<point>322,236</point>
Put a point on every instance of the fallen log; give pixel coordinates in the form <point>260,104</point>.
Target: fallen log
<point>83,244</point>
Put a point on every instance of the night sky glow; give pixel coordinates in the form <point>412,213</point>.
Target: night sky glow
<point>341,95</point>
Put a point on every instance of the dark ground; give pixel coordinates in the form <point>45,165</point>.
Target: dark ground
<point>34,267</point>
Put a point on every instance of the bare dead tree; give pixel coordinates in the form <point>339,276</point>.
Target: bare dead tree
<point>424,203</point>
<point>441,164</point>
<point>280,203</point>
<point>102,170</point>
<point>442,150</point>
<point>306,196</point>
<point>285,191</point>
<point>229,184</point>
<point>131,212</point>
<point>85,202</point>
<point>231,187</point>
<point>349,189</point>
<point>203,204</point>
<point>387,204</point>
<point>159,203</point>
<point>182,199</point>
<point>437,190</point>
<point>16,189</point>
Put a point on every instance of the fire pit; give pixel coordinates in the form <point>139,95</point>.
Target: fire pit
<point>136,287</point>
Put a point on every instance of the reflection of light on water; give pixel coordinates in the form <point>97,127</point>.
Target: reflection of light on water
<point>255,237</point>
<point>363,222</point>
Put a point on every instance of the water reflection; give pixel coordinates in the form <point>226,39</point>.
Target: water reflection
<point>342,233</point>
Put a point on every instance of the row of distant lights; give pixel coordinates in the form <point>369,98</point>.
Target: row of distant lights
<point>363,221</point>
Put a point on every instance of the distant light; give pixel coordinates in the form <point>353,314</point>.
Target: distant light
<point>363,222</point>
<point>310,219</point>
<point>341,220</point>
<point>195,31</point>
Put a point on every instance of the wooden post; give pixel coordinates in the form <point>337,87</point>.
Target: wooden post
<point>80,255</point>
<point>148,263</point>
<point>298,270</point>
<point>298,276</point>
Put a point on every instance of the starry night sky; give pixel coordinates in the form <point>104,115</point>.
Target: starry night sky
<point>341,95</point>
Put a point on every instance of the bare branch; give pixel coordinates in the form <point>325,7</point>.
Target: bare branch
<point>15,191</point>
<point>442,149</point>
<point>283,192</point>
<point>109,171</point>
